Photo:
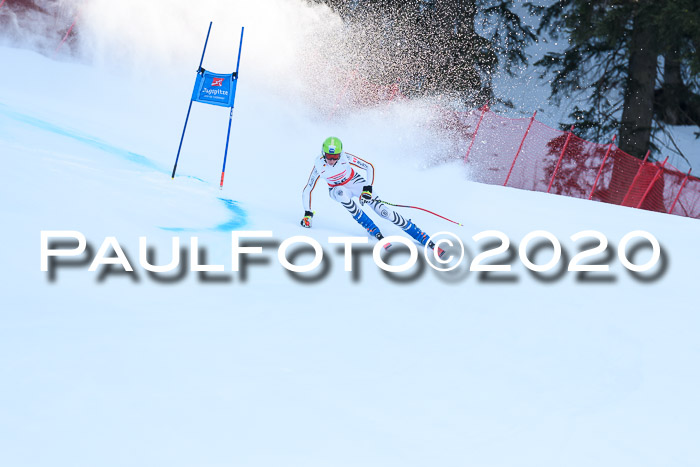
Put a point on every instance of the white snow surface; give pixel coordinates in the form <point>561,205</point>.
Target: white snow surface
<point>440,369</point>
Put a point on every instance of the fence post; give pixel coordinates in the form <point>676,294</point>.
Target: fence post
<point>394,90</point>
<point>600,171</point>
<point>532,119</point>
<point>679,191</point>
<point>561,156</point>
<point>484,109</point>
<point>64,37</point>
<point>653,182</point>
<point>636,176</point>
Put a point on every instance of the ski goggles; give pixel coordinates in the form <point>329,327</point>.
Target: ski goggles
<point>331,157</point>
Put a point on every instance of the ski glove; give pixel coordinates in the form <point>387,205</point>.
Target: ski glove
<point>306,220</point>
<point>366,195</point>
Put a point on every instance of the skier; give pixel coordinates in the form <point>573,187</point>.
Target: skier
<point>337,168</point>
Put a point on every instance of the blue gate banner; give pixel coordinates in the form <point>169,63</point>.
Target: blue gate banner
<point>214,88</point>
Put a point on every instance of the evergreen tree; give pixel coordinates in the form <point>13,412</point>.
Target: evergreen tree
<point>38,24</point>
<point>677,101</point>
<point>441,46</point>
<point>611,65</point>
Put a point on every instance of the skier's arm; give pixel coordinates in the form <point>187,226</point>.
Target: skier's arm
<point>308,188</point>
<point>364,165</point>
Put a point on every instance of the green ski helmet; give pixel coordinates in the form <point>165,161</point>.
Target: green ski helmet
<point>332,145</point>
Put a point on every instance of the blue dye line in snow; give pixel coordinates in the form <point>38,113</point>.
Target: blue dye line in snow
<point>240,215</point>
<point>88,140</point>
<point>239,219</point>
<point>81,137</point>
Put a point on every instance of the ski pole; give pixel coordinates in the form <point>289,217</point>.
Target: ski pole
<point>415,207</point>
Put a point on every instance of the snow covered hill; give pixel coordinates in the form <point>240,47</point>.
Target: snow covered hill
<point>326,368</point>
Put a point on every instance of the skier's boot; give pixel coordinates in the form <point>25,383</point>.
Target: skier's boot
<point>413,230</point>
<point>421,237</point>
<point>440,251</point>
<point>364,220</point>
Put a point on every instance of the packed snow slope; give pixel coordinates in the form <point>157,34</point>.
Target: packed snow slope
<point>334,368</point>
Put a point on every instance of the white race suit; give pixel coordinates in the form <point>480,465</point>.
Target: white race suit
<point>345,182</point>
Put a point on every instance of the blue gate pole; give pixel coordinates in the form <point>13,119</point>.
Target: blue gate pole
<point>177,158</point>
<point>228,134</point>
<point>240,46</point>
<point>230,115</point>
<point>201,60</point>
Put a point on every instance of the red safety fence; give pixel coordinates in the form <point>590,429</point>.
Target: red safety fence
<point>357,91</point>
<point>524,153</point>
